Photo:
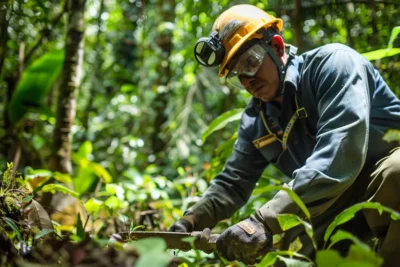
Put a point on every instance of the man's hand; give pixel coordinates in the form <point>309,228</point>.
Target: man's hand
<point>183,225</point>
<point>245,241</point>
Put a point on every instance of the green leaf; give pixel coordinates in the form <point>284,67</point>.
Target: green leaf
<point>221,121</point>
<point>43,233</point>
<point>129,88</point>
<point>62,177</point>
<point>27,199</point>
<point>273,256</point>
<point>101,172</point>
<point>224,150</point>
<point>85,149</point>
<point>34,86</point>
<point>343,235</point>
<point>381,53</point>
<point>296,245</point>
<point>295,262</point>
<point>392,136</point>
<point>137,228</point>
<point>290,192</point>
<point>79,227</point>
<point>93,205</point>
<point>357,257</point>
<point>288,221</point>
<point>114,203</point>
<point>358,253</point>
<point>53,188</point>
<point>150,244</point>
<point>84,180</point>
<point>111,189</point>
<point>329,258</point>
<point>395,32</point>
<point>152,252</point>
<point>349,213</point>
<point>32,173</point>
<point>13,226</point>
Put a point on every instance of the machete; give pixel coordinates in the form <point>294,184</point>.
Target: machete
<point>204,240</point>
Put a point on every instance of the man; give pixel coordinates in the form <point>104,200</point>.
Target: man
<point>320,118</point>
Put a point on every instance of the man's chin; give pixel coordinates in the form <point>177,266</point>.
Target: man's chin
<point>265,99</point>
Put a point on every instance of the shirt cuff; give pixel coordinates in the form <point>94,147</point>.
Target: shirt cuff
<point>282,203</point>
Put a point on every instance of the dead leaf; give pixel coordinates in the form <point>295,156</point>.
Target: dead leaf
<point>39,216</point>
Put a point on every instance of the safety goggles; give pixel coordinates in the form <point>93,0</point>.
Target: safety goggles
<point>246,65</point>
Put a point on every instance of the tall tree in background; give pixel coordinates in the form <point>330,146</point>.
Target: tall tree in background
<point>4,8</point>
<point>97,86</point>
<point>166,9</point>
<point>297,25</point>
<point>3,32</point>
<point>20,47</point>
<point>66,104</point>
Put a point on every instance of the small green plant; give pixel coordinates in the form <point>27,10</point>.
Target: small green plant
<point>326,256</point>
<point>22,219</point>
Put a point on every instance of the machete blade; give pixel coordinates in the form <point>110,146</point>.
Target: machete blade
<point>174,240</point>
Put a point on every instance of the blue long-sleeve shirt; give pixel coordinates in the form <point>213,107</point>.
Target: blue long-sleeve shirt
<point>349,108</point>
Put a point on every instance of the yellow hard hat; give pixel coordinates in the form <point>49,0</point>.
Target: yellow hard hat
<point>251,19</point>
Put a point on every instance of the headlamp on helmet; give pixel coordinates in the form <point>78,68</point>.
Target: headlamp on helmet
<point>209,51</point>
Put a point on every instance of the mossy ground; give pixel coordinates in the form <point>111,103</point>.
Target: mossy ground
<point>23,250</point>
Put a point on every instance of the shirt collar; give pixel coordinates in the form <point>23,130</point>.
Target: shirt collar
<point>292,77</point>
<point>290,86</point>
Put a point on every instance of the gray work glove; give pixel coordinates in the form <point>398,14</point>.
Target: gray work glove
<point>245,241</point>
<point>183,225</point>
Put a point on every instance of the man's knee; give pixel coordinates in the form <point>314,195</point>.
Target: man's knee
<point>384,188</point>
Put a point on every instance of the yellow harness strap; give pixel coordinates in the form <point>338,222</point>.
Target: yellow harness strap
<point>300,113</point>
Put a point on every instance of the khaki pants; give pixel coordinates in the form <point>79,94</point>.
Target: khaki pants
<point>382,185</point>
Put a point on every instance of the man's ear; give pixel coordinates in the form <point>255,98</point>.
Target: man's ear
<point>278,45</point>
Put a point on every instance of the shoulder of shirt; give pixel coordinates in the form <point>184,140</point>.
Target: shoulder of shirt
<point>325,50</point>
<point>339,51</point>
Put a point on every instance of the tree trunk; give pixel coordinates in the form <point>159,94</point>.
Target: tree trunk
<point>96,78</point>
<point>7,140</point>
<point>9,143</point>
<point>3,32</point>
<point>374,37</point>
<point>297,26</point>
<point>70,81</point>
<point>166,9</point>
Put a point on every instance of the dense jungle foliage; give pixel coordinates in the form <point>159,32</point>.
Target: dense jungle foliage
<point>119,129</point>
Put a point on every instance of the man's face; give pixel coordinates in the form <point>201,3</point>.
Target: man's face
<point>265,84</point>
<point>256,72</point>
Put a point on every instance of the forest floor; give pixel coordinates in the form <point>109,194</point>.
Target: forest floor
<point>27,236</point>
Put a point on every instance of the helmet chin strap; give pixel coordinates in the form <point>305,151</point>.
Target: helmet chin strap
<point>281,69</point>
<point>268,34</point>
